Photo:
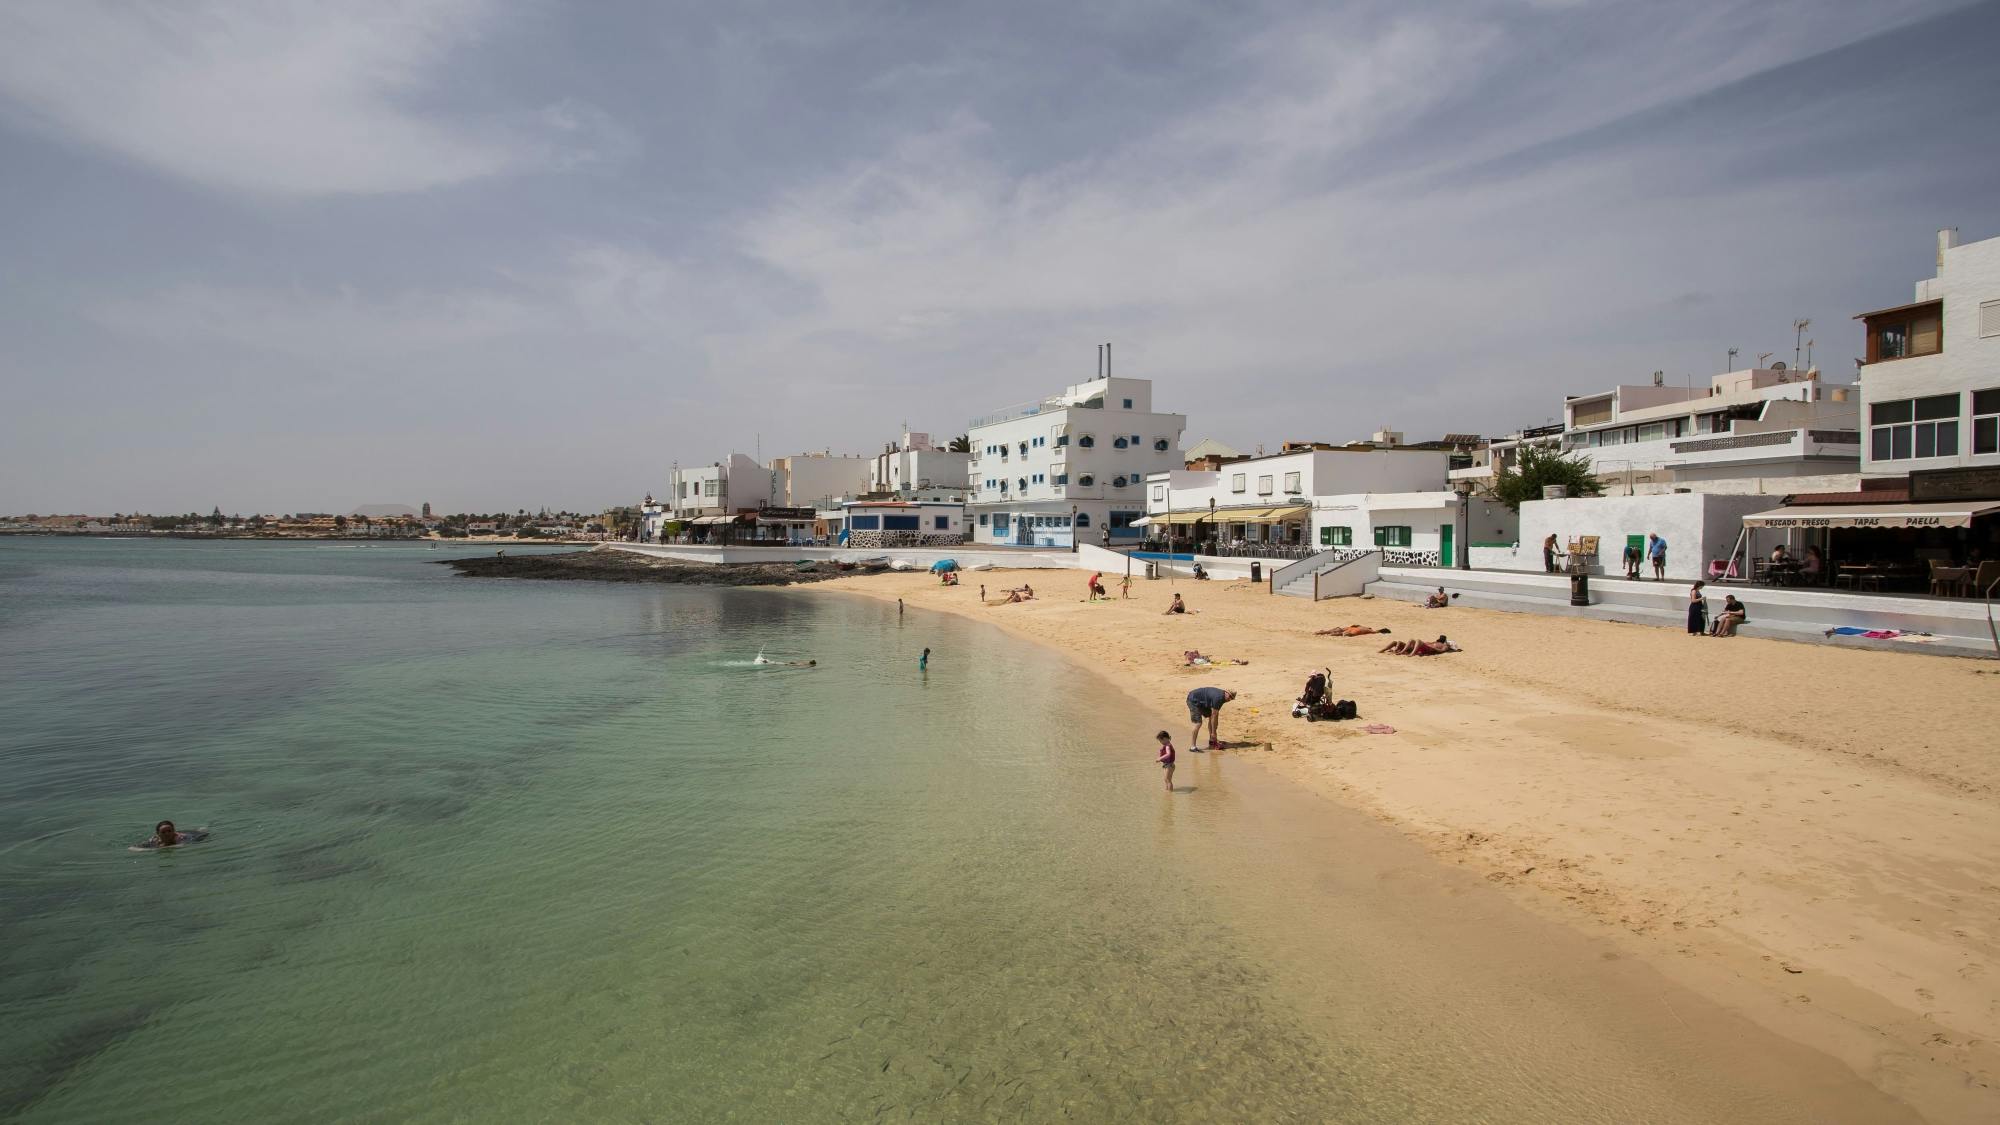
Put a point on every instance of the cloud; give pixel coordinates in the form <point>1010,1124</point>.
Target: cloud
<point>278,97</point>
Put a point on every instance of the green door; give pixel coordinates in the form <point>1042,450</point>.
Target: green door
<point>1445,557</point>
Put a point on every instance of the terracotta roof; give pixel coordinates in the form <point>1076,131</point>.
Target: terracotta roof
<point>1877,496</point>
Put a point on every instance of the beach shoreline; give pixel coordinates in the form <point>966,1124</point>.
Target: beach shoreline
<point>1710,806</point>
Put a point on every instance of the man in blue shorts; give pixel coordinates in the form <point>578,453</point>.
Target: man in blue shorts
<point>1205,703</point>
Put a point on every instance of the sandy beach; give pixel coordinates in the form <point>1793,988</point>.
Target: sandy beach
<point>1807,835</point>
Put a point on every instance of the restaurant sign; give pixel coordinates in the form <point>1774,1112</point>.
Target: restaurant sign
<point>1934,486</point>
<point>1866,519</point>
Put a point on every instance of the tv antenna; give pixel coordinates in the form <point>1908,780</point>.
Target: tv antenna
<point>1799,327</point>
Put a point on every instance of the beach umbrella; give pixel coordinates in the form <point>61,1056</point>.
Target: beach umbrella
<point>945,564</point>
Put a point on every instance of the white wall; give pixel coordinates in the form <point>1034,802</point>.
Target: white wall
<point>1697,526</point>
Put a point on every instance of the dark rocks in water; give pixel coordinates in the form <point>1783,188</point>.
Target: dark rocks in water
<point>33,1078</point>
<point>624,566</point>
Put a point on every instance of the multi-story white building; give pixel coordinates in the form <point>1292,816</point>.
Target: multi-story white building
<point>915,464</point>
<point>1930,381</point>
<point>1077,460</point>
<point>1742,429</point>
<point>719,489</point>
<point>810,480</point>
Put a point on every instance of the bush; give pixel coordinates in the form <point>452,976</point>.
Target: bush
<point>1542,467</point>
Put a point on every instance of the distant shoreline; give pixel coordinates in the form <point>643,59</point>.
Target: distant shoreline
<point>480,541</point>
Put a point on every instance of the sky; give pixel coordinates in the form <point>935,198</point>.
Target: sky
<point>492,254</point>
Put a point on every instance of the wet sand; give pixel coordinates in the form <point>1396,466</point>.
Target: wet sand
<point>1805,837</point>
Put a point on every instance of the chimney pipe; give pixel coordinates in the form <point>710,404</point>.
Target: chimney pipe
<point>1107,361</point>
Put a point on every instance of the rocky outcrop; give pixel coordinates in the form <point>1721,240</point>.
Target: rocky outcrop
<point>621,566</point>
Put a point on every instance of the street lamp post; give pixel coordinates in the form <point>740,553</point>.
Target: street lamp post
<point>1072,529</point>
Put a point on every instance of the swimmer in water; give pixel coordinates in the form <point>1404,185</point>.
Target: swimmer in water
<point>762,659</point>
<point>165,835</point>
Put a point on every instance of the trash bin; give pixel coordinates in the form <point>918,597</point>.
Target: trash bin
<point>1152,571</point>
<point>1256,571</point>
<point>1579,589</point>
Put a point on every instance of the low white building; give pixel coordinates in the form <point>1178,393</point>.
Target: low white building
<point>1931,380</point>
<point>1311,498</point>
<point>1071,466</point>
<point>1764,430</point>
<point>904,523</point>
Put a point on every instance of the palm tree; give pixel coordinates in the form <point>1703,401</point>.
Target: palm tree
<point>960,444</point>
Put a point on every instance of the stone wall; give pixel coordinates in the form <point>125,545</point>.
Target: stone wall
<point>905,539</point>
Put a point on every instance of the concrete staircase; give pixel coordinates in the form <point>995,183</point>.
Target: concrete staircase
<point>1315,575</point>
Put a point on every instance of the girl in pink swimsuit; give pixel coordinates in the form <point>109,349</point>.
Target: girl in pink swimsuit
<point>1167,757</point>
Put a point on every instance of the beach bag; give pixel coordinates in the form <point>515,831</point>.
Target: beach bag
<point>1345,709</point>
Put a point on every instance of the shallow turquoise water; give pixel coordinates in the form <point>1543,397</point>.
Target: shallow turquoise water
<point>550,851</point>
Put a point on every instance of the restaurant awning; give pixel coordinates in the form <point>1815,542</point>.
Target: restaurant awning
<point>1223,515</point>
<point>714,519</point>
<point>1273,515</point>
<point>1872,515</point>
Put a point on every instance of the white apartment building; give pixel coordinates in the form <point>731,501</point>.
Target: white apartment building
<point>1300,500</point>
<point>718,489</point>
<point>916,464</point>
<point>1078,460</point>
<point>1791,428</point>
<point>1930,381</point>
<point>810,480</point>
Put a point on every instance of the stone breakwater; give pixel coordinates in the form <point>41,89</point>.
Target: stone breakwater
<point>620,566</point>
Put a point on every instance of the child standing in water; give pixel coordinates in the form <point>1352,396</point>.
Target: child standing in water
<point>1167,757</point>
<point>924,661</point>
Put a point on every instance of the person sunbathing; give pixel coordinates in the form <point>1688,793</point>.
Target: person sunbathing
<point>1349,631</point>
<point>1439,600</point>
<point>1196,659</point>
<point>1421,648</point>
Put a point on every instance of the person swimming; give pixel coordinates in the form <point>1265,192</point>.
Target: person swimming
<point>165,835</point>
<point>768,662</point>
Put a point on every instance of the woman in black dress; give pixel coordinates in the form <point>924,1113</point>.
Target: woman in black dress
<point>1697,611</point>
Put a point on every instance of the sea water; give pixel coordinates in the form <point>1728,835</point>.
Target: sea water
<point>560,851</point>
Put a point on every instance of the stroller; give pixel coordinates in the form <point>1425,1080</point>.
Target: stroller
<point>1314,706</point>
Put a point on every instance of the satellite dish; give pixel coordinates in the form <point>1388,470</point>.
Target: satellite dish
<point>1778,366</point>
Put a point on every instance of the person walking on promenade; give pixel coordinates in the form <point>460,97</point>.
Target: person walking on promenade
<point>1167,757</point>
<point>1697,611</point>
<point>1206,703</point>
<point>1659,554</point>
